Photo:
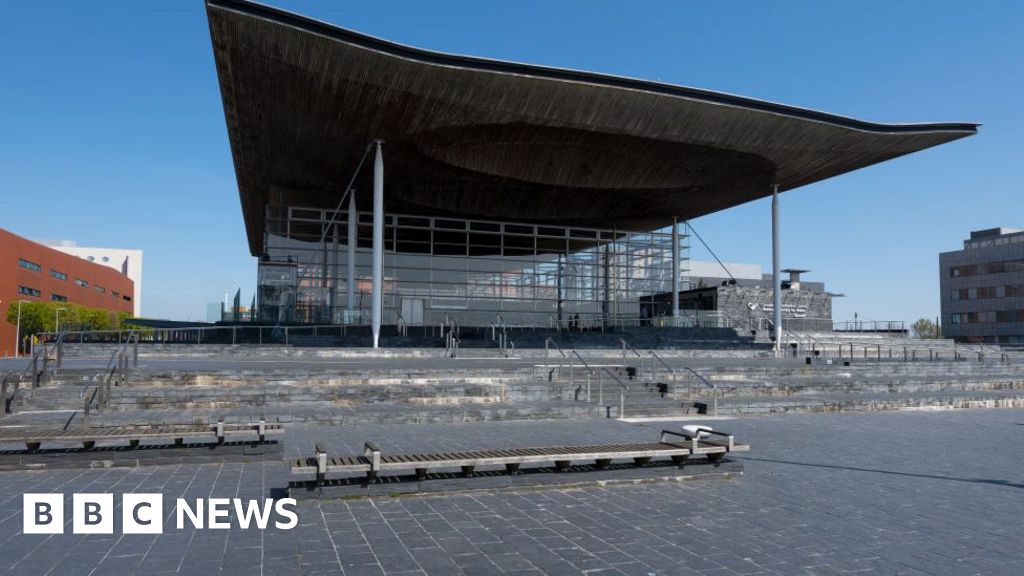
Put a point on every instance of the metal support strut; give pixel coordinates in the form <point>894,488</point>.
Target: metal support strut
<point>776,273</point>
<point>675,268</point>
<point>378,243</point>
<point>351,273</point>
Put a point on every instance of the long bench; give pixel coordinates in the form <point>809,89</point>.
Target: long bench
<point>34,438</point>
<point>678,446</point>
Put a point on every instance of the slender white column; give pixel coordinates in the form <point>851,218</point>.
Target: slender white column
<point>675,268</point>
<point>352,240</point>
<point>335,265</point>
<point>776,273</point>
<point>378,244</point>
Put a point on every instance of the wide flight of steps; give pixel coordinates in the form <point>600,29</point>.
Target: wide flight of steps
<point>468,391</point>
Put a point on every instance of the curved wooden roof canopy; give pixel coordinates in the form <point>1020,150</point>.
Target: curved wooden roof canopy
<point>481,138</point>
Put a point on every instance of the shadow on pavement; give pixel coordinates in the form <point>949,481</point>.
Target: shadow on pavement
<point>1006,483</point>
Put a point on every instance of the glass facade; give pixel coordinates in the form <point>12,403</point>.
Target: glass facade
<point>476,272</point>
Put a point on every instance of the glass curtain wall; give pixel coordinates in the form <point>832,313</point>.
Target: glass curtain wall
<point>473,271</point>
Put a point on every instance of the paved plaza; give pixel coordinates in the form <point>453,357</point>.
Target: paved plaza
<point>937,492</point>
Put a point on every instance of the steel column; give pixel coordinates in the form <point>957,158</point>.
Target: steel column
<point>378,244</point>
<point>352,239</point>
<point>335,276</point>
<point>776,273</point>
<point>675,268</point>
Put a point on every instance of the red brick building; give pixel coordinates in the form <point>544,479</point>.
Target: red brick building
<point>32,272</point>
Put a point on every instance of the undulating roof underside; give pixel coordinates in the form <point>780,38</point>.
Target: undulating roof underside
<point>486,139</point>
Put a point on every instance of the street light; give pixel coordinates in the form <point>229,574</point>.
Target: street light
<point>56,322</point>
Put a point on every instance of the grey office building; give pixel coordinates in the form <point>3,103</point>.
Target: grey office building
<point>983,288</point>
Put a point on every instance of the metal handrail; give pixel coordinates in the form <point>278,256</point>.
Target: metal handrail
<point>704,380</point>
<point>31,367</point>
<point>118,361</point>
<point>626,345</point>
<point>584,362</point>
<point>709,384</point>
<point>557,347</point>
<point>662,362</point>
<point>3,389</point>
<point>857,325</point>
<point>591,370</point>
<point>840,344</point>
<point>623,387</point>
<point>621,384</point>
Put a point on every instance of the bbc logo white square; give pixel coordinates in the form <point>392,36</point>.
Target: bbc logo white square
<point>142,514</point>
<point>42,513</point>
<point>92,513</point>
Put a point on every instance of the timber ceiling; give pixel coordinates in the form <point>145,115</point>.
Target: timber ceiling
<point>481,138</point>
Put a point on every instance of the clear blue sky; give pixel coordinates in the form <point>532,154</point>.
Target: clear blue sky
<point>112,131</point>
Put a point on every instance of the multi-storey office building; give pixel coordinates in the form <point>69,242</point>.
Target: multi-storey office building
<point>127,260</point>
<point>982,288</point>
<point>31,272</point>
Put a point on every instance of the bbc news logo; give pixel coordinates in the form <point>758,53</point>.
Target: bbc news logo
<point>144,513</point>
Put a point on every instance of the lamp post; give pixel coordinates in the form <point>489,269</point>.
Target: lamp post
<point>56,321</point>
<point>17,332</point>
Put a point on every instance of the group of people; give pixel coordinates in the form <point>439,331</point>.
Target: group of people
<point>574,321</point>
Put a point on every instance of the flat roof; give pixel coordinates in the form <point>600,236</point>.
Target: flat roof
<point>478,138</point>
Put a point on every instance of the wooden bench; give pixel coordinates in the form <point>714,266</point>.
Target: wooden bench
<point>372,461</point>
<point>34,439</point>
<point>724,440</point>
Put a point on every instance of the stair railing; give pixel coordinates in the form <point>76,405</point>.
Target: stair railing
<point>548,342</point>
<point>664,365</point>
<point>706,383</point>
<point>623,387</point>
<point>115,373</point>
<point>625,346</point>
<point>9,378</point>
<point>32,369</point>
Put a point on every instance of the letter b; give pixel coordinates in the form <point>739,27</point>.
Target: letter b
<point>92,514</point>
<point>42,514</point>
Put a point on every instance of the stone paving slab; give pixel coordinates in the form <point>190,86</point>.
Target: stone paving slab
<point>861,493</point>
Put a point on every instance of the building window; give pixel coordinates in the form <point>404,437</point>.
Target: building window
<point>58,275</point>
<point>955,294</point>
<point>58,298</point>
<point>997,267</point>
<point>81,283</point>
<point>115,293</point>
<point>99,288</point>
<point>28,291</point>
<point>29,265</point>
<point>1010,316</point>
<point>127,298</point>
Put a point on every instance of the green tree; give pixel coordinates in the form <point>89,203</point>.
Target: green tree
<point>39,317</point>
<point>926,329</point>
